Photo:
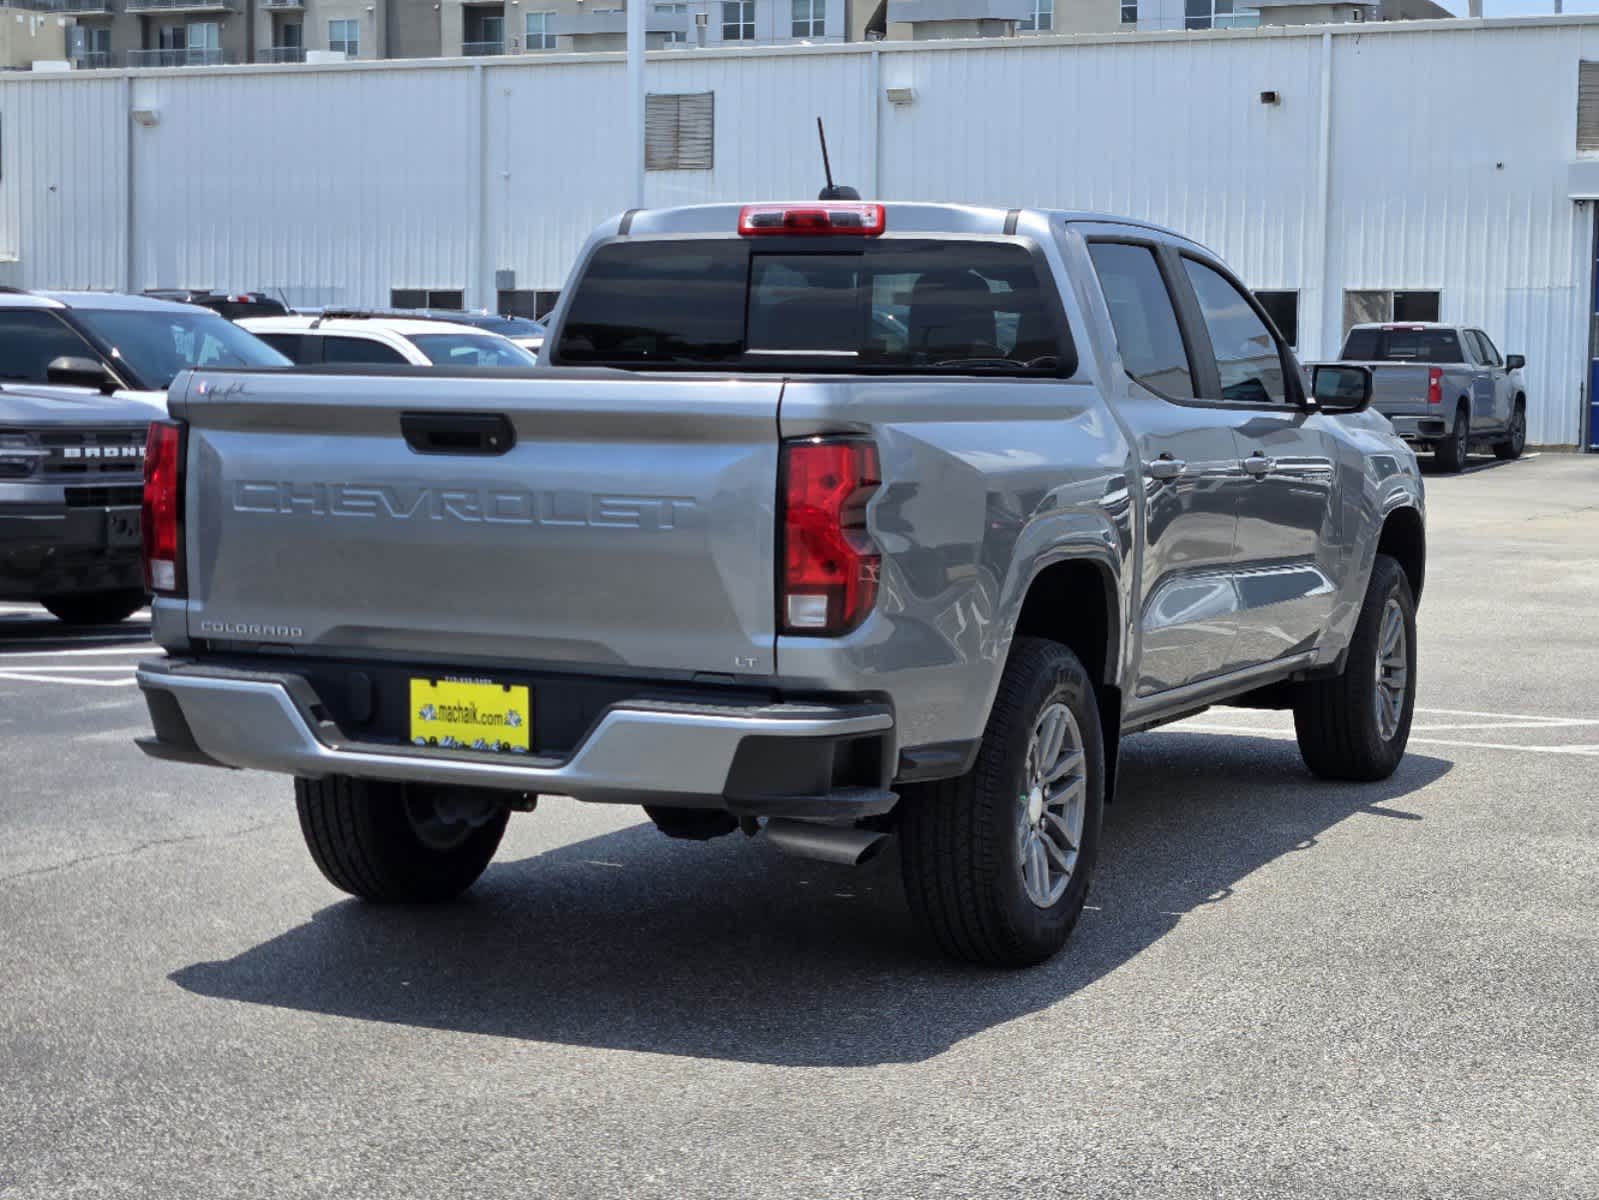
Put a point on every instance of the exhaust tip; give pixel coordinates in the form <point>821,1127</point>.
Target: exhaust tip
<point>844,845</point>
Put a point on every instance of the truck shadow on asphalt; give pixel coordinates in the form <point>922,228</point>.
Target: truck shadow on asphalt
<point>730,950</point>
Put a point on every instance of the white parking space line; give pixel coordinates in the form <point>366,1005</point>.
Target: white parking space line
<point>58,668</point>
<point>25,652</point>
<point>72,681</point>
<point>1287,734</point>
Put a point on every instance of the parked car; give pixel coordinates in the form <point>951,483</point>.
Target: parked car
<point>347,337</point>
<point>742,557</point>
<point>71,467</point>
<point>116,344</point>
<point>231,305</point>
<point>1444,387</point>
<point>524,331</point>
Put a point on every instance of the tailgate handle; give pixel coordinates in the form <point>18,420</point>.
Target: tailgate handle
<point>457,433</point>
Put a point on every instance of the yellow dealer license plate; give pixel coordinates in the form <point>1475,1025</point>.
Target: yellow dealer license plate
<point>471,714</point>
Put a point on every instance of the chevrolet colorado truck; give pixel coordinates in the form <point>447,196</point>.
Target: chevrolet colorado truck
<point>71,485</point>
<point>744,553</point>
<point>1444,387</point>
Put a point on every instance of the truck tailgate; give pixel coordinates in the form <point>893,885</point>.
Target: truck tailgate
<point>630,525</point>
<point>1400,389</point>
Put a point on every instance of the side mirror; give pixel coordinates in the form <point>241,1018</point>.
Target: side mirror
<point>1514,362</point>
<point>1341,387</point>
<point>81,372</point>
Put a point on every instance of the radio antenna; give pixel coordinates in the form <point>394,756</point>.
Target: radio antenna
<point>832,191</point>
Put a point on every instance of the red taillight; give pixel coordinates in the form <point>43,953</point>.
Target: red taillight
<point>1435,385</point>
<point>163,508</point>
<point>865,220</point>
<point>829,580</point>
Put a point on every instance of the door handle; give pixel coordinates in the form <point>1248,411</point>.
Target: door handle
<point>1258,465</point>
<point>1165,467</point>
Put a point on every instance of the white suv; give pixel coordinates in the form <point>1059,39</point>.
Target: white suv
<point>355,338</point>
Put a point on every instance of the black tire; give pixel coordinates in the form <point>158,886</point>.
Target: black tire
<point>364,838</point>
<point>1450,454</point>
<point>959,849</point>
<point>1513,445</point>
<point>1340,734</point>
<point>97,608</point>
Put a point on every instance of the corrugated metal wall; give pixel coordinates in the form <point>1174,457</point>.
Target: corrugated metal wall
<point>1448,161</point>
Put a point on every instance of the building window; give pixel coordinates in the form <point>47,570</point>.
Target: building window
<point>450,298</point>
<point>738,20</point>
<point>670,9</point>
<point>680,131</point>
<point>1129,12</point>
<point>1283,309</point>
<point>345,36</point>
<point>1217,14</point>
<point>810,18</point>
<point>1376,307</point>
<point>1041,19</point>
<point>524,302</point>
<point>539,36</point>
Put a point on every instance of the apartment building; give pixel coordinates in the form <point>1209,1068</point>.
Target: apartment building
<point>174,33</point>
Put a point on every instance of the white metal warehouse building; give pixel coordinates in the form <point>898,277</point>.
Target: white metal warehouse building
<point>1412,158</point>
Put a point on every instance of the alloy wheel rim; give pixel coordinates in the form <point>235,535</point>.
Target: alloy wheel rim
<point>1393,670</point>
<point>1518,432</point>
<point>1052,805</point>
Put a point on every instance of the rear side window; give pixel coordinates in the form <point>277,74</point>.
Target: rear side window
<point>30,339</point>
<point>885,306</point>
<point>1248,359</point>
<point>471,350</point>
<point>291,345</point>
<point>1403,345</point>
<point>1141,311</point>
<point>359,350</point>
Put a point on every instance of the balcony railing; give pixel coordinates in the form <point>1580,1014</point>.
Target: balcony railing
<point>64,6</point>
<point>280,54</point>
<point>177,58</point>
<point>182,5</point>
<point>482,49</point>
<point>92,60</point>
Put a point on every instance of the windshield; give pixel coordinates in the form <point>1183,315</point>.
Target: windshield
<point>471,350</point>
<point>1402,345</point>
<point>896,306</point>
<point>157,345</point>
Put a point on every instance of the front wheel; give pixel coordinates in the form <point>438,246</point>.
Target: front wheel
<point>96,608</point>
<point>997,863</point>
<point>399,843</point>
<point>1450,454</point>
<point>1355,725</point>
<point>1513,445</point>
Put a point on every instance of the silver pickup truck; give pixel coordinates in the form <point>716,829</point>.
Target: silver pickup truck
<point>1445,387</point>
<point>833,523</point>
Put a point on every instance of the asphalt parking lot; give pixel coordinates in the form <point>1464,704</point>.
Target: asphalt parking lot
<point>1282,986</point>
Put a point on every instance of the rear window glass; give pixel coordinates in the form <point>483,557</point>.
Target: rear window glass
<point>883,306</point>
<point>1403,345</point>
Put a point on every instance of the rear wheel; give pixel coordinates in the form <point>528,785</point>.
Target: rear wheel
<point>1356,724</point>
<point>97,608</point>
<point>1450,454</point>
<point>997,863</point>
<point>399,843</point>
<point>1516,442</point>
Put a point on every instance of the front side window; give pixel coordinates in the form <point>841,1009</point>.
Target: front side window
<point>30,339</point>
<point>810,18</point>
<point>738,20</point>
<point>1141,312</point>
<point>539,36</point>
<point>157,345</point>
<point>1490,350</point>
<point>1248,358</point>
<point>1041,19</point>
<point>291,345</point>
<point>891,306</point>
<point>471,350</point>
<point>345,36</point>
